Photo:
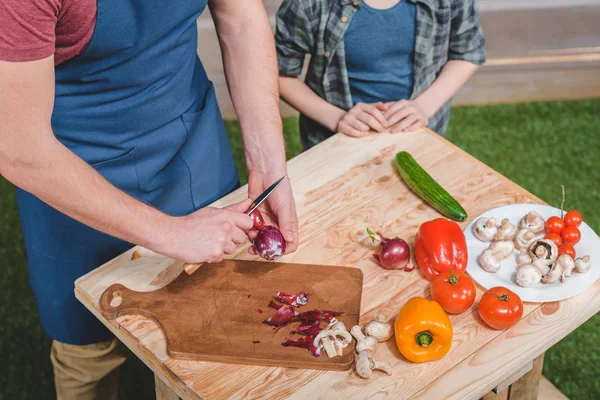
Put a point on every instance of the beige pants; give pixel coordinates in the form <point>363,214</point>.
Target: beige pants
<point>87,372</point>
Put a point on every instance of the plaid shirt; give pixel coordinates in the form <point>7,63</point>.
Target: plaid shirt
<point>445,30</point>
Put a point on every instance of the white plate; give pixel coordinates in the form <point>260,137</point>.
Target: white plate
<point>573,285</point>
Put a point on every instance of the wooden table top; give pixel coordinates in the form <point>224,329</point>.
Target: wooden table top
<point>341,187</point>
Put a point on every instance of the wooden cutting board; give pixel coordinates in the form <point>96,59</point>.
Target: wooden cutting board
<point>217,313</point>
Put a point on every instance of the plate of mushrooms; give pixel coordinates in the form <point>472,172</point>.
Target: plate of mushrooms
<point>507,248</point>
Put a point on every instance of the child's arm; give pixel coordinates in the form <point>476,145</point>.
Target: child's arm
<point>466,50</point>
<point>407,115</point>
<point>296,29</point>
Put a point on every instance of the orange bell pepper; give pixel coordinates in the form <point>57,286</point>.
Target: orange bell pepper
<point>440,245</point>
<point>423,330</point>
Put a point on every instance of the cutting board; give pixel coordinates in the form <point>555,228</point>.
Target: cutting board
<point>217,313</point>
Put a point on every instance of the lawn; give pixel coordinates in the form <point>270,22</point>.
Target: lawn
<point>538,145</point>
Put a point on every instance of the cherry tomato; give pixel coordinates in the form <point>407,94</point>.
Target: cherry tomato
<point>554,225</point>
<point>573,218</point>
<point>456,294</point>
<point>570,235</point>
<point>555,237</point>
<point>500,308</point>
<point>567,249</point>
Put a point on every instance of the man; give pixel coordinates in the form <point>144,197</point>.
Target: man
<point>110,130</point>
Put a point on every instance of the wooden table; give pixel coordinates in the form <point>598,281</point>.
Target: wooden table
<point>341,187</point>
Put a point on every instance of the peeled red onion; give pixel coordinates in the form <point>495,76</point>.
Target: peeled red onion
<point>393,253</point>
<point>269,242</point>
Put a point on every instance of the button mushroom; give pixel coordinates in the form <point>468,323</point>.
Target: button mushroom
<point>567,264</point>
<point>333,339</point>
<point>524,239</point>
<point>583,264</point>
<point>524,257</point>
<point>544,253</point>
<point>502,249</point>
<point>528,275</point>
<point>554,275</point>
<point>365,363</point>
<point>507,231</point>
<point>533,221</point>
<point>379,329</point>
<point>485,229</point>
<point>488,262</point>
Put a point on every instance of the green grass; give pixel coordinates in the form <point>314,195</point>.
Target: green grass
<point>538,145</point>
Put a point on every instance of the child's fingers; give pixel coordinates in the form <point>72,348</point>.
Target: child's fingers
<point>355,123</point>
<point>350,131</point>
<point>400,115</point>
<point>383,106</point>
<point>371,121</point>
<point>405,123</point>
<point>417,125</point>
<point>373,111</point>
<point>398,105</point>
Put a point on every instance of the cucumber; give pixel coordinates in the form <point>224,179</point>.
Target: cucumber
<point>427,188</point>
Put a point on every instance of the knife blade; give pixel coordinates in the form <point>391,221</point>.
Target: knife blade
<point>263,196</point>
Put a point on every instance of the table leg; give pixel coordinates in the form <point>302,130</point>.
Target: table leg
<point>526,387</point>
<point>163,392</point>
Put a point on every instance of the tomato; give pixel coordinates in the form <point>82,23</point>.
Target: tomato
<point>456,294</point>
<point>500,308</point>
<point>573,218</point>
<point>554,225</point>
<point>571,235</point>
<point>555,237</point>
<point>567,249</point>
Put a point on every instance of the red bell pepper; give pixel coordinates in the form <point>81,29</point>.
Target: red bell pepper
<point>440,245</point>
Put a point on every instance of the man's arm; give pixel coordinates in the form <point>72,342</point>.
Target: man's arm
<point>32,158</point>
<point>252,76</point>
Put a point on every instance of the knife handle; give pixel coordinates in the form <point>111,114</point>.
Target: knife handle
<point>190,268</point>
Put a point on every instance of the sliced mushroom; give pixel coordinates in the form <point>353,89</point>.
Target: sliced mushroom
<point>507,231</point>
<point>379,329</point>
<point>567,265</point>
<point>502,249</point>
<point>488,262</point>
<point>524,239</point>
<point>528,275</point>
<point>533,221</point>
<point>485,229</point>
<point>333,339</point>
<point>583,264</point>
<point>524,258</point>
<point>554,275</point>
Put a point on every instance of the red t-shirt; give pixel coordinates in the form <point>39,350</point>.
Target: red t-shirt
<point>35,29</point>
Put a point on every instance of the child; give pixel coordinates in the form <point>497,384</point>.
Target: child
<point>375,65</point>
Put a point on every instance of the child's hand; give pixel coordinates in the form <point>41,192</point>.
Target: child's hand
<point>405,116</point>
<point>362,118</point>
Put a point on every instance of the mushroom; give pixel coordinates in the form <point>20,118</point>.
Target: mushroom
<point>533,221</point>
<point>528,275</point>
<point>554,275</point>
<point>502,249</point>
<point>583,264</point>
<point>365,363</point>
<point>485,229</point>
<point>524,239</point>
<point>543,252</point>
<point>507,231</point>
<point>379,329</point>
<point>524,257</point>
<point>488,262</point>
<point>567,265</point>
<point>333,339</point>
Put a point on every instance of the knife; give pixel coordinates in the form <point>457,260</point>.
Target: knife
<point>191,268</point>
<point>263,196</point>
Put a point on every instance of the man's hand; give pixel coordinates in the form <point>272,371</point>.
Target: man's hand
<point>208,234</point>
<point>280,209</point>
<point>405,116</point>
<point>362,118</point>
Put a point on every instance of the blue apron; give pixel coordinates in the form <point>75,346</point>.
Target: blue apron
<point>137,106</point>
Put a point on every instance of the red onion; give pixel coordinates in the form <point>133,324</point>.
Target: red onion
<point>393,253</point>
<point>297,300</point>
<point>269,242</point>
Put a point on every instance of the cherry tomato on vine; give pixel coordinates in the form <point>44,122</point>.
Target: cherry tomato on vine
<point>567,249</point>
<point>456,294</point>
<point>571,235</point>
<point>573,218</point>
<point>555,225</point>
<point>500,308</point>
<point>555,237</point>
